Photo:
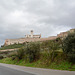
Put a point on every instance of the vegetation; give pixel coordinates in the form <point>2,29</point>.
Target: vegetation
<point>12,46</point>
<point>69,47</point>
<point>32,51</point>
<point>40,64</point>
<point>52,54</point>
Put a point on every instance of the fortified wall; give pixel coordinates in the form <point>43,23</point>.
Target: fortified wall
<point>34,38</point>
<point>65,34</point>
<point>28,38</point>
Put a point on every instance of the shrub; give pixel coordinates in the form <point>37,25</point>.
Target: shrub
<point>69,46</point>
<point>53,45</point>
<point>50,47</point>
<point>20,53</point>
<point>32,51</point>
<point>1,57</point>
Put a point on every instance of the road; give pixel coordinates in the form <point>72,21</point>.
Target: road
<point>6,69</point>
<point>9,50</point>
<point>9,71</point>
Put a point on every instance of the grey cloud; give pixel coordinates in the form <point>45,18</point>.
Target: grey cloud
<point>48,17</point>
<point>62,12</point>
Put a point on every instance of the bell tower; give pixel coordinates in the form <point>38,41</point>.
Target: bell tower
<point>31,33</point>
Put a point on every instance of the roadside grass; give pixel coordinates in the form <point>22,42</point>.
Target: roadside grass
<point>64,65</point>
<point>8,61</point>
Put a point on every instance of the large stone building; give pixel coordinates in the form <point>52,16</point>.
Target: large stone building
<point>33,38</point>
<point>28,38</point>
<point>64,34</point>
<point>32,35</point>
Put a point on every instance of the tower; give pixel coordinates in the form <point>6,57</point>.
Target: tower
<point>31,33</point>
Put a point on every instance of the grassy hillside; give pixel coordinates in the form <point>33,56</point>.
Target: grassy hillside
<point>50,54</point>
<point>63,65</point>
<point>12,46</point>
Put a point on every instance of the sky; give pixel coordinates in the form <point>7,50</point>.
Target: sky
<point>45,17</point>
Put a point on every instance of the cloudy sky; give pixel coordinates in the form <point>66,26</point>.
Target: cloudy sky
<point>48,17</point>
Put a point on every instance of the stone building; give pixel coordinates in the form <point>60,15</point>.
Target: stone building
<point>62,35</point>
<point>65,34</point>
<point>32,35</point>
<point>28,38</point>
<point>72,30</point>
<point>34,38</point>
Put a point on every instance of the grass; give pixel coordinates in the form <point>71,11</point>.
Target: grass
<point>12,46</point>
<point>64,65</point>
<point>8,61</point>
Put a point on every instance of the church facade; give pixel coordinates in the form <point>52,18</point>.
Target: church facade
<point>32,35</point>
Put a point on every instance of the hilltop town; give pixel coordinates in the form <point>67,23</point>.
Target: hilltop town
<point>53,52</point>
<point>34,38</point>
<point>37,37</point>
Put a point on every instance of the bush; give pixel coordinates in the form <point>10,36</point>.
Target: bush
<point>50,48</point>
<point>1,57</point>
<point>69,46</point>
<point>20,53</point>
<point>32,51</point>
<point>53,45</point>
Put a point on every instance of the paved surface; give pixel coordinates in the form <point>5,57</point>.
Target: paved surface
<point>6,69</point>
<point>9,50</point>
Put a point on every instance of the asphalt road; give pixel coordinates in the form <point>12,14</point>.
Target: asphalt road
<point>9,71</point>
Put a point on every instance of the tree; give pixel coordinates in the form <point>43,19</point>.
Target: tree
<point>32,51</point>
<point>52,47</point>
<point>69,46</point>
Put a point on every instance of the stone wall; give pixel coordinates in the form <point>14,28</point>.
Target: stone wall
<point>64,34</point>
<point>23,40</point>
